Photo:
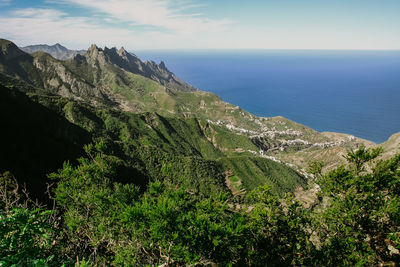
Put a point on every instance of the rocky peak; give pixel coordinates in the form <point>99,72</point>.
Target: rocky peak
<point>128,56</point>
<point>125,55</point>
<point>95,55</point>
<point>150,63</point>
<point>60,47</point>
<point>131,63</point>
<point>93,47</point>
<point>112,50</point>
<point>113,56</point>
<point>162,65</point>
<point>122,51</point>
<point>161,69</point>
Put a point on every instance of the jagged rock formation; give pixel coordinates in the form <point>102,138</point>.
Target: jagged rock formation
<point>120,80</point>
<point>131,63</point>
<point>89,92</point>
<point>43,71</point>
<point>82,76</point>
<point>121,58</point>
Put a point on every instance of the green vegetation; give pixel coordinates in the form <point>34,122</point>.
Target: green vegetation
<point>255,172</point>
<point>35,140</point>
<point>360,225</point>
<point>118,80</point>
<point>146,143</point>
<point>147,171</point>
<point>100,220</point>
<point>26,232</point>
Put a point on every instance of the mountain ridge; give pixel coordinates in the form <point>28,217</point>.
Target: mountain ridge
<point>57,50</point>
<point>125,165</point>
<point>132,63</point>
<point>114,79</point>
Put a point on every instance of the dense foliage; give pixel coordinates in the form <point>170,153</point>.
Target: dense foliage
<point>149,144</point>
<point>168,181</point>
<point>100,220</point>
<point>26,231</point>
<point>360,225</point>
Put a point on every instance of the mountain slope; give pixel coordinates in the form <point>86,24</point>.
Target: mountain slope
<point>43,71</point>
<point>44,127</point>
<point>391,147</point>
<point>35,140</point>
<point>165,182</point>
<point>131,63</point>
<point>18,64</point>
<point>194,122</point>
<point>115,76</point>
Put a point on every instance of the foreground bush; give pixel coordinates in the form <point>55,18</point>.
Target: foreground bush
<point>106,222</point>
<point>26,232</point>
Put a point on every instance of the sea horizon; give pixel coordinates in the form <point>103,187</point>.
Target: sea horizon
<point>347,91</point>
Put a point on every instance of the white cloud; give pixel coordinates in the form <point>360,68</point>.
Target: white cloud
<point>165,14</point>
<point>33,26</point>
<point>136,24</point>
<point>49,26</point>
<point>38,13</point>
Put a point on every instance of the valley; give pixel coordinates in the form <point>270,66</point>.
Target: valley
<point>143,169</point>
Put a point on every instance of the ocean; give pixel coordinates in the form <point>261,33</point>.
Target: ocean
<point>354,92</point>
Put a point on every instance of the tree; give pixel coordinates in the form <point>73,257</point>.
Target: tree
<point>279,228</point>
<point>91,200</point>
<point>360,225</point>
<point>361,156</point>
<point>315,168</point>
<point>26,232</point>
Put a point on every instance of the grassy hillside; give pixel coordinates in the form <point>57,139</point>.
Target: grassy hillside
<point>252,172</point>
<point>149,117</point>
<point>391,147</point>
<point>175,176</point>
<point>50,129</point>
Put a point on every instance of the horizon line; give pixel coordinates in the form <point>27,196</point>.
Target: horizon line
<point>264,49</point>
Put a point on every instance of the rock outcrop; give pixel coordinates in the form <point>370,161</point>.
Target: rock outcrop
<point>131,63</point>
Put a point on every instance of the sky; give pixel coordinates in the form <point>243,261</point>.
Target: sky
<point>204,24</point>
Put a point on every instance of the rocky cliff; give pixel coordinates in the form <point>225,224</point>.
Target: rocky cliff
<point>120,80</point>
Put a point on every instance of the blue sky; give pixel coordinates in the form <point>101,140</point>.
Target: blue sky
<point>206,24</point>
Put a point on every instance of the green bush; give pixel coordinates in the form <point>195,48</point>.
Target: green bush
<point>25,237</point>
<point>107,222</point>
